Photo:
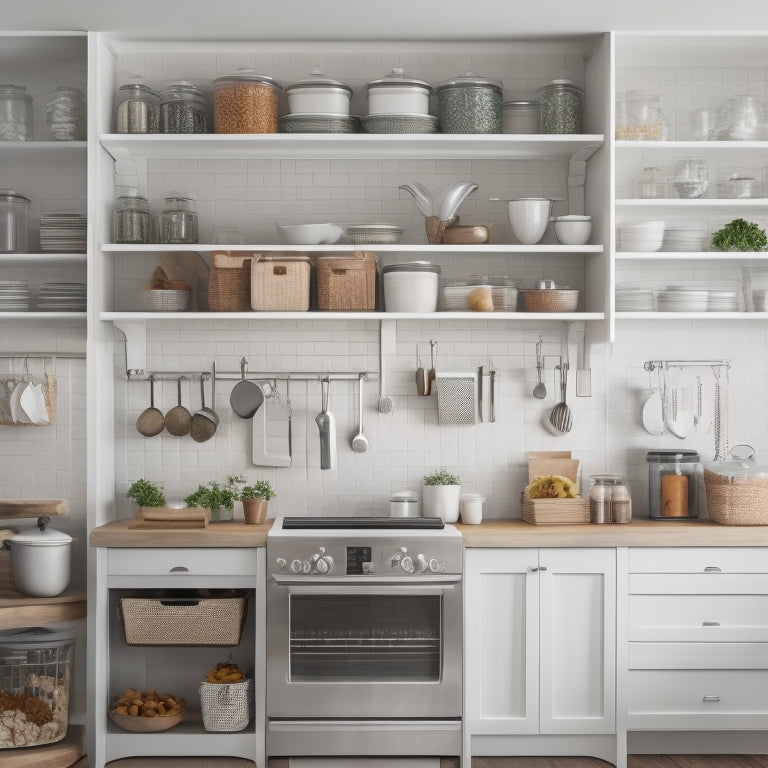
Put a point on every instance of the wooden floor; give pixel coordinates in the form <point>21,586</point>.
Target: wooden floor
<point>635,761</point>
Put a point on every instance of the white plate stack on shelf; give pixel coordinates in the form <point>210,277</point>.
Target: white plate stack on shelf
<point>62,297</point>
<point>643,236</point>
<point>722,301</point>
<point>14,296</point>
<point>684,237</point>
<point>635,298</point>
<point>63,233</point>
<point>683,298</point>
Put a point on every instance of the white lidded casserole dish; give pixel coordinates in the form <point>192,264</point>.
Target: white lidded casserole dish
<point>318,95</point>
<point>397,94</point>
<point>411,286</point>
<point>41,559</point>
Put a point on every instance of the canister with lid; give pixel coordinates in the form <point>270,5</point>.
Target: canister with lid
<point>520,117</point>
<point>318,95</point>
<point>178,223</point>
<point>404,504</point>
<point>562,107</point>
<point>470,104</point>
<point>138,109</point>
<point>245,102</point>
<point>131,219</point>
<point>15,113</point>
<point>639,117</point>
<point>14,216</point>
<point>397,94</point>
<point>609,500</point>
<point>65,114</point>
<point>411,286</point>
<point>183,109</point>
<point>674,484</point>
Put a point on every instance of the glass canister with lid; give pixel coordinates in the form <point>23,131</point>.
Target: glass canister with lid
<point>609,500</point>
<point>65,114</point>
<point>639,117</point>
<point>562,107</point>
<point>183,109</point>
<point>245,102</point>
<point>15,113</point>
<point>178,223</point>
<point>131,219</point>
<point>14,219</point>
<point>470,104</point>
<point>674,484</point>
<point>138,108</point>
<point>520,117</point>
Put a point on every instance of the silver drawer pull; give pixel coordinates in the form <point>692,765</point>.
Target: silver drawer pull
<point>712,569</point>
<point>710,623</point>
<point>534,568</point>
<point>711,698</point>
<point>179,569</point>
<point>542,567</point>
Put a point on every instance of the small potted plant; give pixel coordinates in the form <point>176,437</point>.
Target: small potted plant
<point>255,498</point>
<point>146,493</point>
<point>441,495</point>
<point>218,498</point>
<point>740,235</point>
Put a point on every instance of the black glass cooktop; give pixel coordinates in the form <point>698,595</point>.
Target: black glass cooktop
<point>391,523</point>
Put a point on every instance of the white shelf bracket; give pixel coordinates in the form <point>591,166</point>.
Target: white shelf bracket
<point>577,174</point>
<point>135,346</point>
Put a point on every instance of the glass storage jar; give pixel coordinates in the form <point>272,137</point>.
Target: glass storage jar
<point>690,177</point>
<point>469,104</point>
<point>245,102</point>
<point>178,223</point>
<point>561,107</point>
<point>651,184</point>
<point>609,500</point>
<point>65,114</point>
<point>131,219</point>
<point>674,484</point>
<point>182,109</point>
<point>138,109</point>
<point>14,216</point>
<point>520,117</point>
<point>639,117</point>
<point>15,113</point>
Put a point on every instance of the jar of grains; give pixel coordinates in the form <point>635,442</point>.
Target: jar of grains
<point>178,224</point>
<point>245,102</point>
<point>182,109</point>
<point>138,109</point>
<point>65,114</point>
<point>131,219</point>
<point>469,104</point>
<point>15,113</point>
<point>562,107</point>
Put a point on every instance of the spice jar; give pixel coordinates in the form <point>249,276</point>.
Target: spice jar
<point>65,114</point>
<point>14,214</point>
<point>562,107</point>
<point>131,219</point>
<point>178,224</point>
<point>182,109</point>
<point>138,109</point>
<point>520,117</point>
<point>674,480</point>
<point>15,113</point>
<point>609,500</point>
<point>470,104</point>
<point>245,102</point>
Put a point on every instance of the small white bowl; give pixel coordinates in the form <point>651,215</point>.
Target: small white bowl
<point>573,230</point>
<point>529,217</point>
<point>310,234</point>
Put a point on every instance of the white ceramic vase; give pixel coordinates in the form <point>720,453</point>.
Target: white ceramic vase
<point>441,501</point>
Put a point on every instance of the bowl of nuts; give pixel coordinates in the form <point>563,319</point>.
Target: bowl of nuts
<point>146,711</point>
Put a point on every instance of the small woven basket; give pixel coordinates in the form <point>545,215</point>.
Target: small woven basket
<point>229,283</point>
<point>550,300</point>
<point>162,300</point>
<point>226,707</point>
<point>280,285</point>
<point>736,500</point>
<point>347,284</point>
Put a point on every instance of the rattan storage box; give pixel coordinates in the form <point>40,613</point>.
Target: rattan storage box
<point>280,283</point>
<point>346,284</point>
<point>215,621</point>
<point>229,284</point>
<point>733,500</point>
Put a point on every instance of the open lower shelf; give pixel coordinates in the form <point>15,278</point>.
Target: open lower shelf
<point>41,259</point>
<point>747,316</point>
<point>17,610</point>
<point>32,315</point>
<point>55,151</point>
<point>690,144</point>
<point>707,204</point>
<point>691,255</point>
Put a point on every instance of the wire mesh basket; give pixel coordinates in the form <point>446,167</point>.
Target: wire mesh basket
<point>226,707</point>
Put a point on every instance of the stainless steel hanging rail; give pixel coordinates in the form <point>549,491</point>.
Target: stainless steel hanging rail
<point>38,355</point>
<point>652,365</point>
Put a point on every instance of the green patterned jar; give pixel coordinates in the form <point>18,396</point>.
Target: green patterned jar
<point>470,104</point>
<point>562,107</point>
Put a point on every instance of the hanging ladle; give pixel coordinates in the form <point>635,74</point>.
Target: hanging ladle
<point>561,417</point>
<point>151,421</point>
<point>539,391</point>
<point>178,420</point>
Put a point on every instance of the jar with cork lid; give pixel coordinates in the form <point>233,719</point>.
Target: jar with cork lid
<point>674,484</point>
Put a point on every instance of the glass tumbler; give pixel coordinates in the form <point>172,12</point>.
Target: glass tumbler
<point>702,124</point>
<point>690,177</point>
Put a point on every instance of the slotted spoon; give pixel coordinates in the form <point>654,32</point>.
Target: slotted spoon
<point>561,417</point>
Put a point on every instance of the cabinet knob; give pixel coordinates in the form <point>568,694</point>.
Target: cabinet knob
<point>711,698</point>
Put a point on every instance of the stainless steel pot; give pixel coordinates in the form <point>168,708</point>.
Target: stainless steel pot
<point>41,560</point>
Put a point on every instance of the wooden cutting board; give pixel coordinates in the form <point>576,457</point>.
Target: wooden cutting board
<point>12,508</point>
<point>63,754</point>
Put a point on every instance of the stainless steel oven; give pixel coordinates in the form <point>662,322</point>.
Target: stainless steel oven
<point>364,637</point>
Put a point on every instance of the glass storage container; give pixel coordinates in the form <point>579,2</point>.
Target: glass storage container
<point>520,117</point>
<point>562,107</point>
<point>15,113</point>
<point>131,219</point>
<point>66,115</point>
<point>469,104</point>
<point>674,484</point>
<point>639,117</point>
<point>182,109</point>
<point>245,102</point>
<point>609,500</point>
<point>178,223</point>
<point>138,109</point>
<point>14,215</point>
<point>397,94</point>
<point>651,183</point>
<point>690,177</point>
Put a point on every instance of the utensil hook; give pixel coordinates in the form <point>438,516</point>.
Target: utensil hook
<point>244,368</point>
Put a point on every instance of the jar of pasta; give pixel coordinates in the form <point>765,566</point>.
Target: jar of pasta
<point>245,102</point>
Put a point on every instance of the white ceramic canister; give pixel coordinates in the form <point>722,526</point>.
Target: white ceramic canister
<point>441,501</point>
<point>404,504</point>
<point>318,95</point>
<point>41,558</point>
<point>471,508</point>
<point>411,286</point>
<point>397,94</point>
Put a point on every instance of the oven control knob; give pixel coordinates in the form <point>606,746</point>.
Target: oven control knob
<point>406,563</point>
<point>324,564</point>
<point>282,563</point>
<point>421,563</point>
<point>435,565</point>
<point>397,558</point>
<point>296,566</point>
<point>306,567</point>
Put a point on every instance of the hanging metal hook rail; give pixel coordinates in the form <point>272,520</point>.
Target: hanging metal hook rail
<point>652,365</point>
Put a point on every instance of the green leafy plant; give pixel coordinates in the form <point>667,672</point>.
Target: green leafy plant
<point>216,496</point>
<point>261,489</point>
<point>442,477</point>
<point>739,235</point>
<point>146,493</point>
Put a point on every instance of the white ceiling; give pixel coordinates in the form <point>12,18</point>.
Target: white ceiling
<point>377,19</point>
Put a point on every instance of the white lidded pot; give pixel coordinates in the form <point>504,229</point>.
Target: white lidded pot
<point>318,95</point>
<point>411,286</point>
<point>397,94</point>
<point>41,559</point>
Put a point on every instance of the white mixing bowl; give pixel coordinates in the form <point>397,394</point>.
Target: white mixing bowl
<point>573,229</point>
<point>310,234</point>
<point>529,217</point>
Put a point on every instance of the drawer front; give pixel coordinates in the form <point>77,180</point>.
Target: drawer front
<point>698,583</point>
<point>179,562</point>
<point>716,656</point>
<point>699,618</point>
<point>698,559</point>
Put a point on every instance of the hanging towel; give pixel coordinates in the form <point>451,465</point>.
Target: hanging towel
<point>456,398</point>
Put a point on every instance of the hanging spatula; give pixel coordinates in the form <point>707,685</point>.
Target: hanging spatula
<point>326,424</point>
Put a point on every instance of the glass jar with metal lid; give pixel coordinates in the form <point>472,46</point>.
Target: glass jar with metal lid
<point>411,286</point>
<point>178,223</point>
<point>562,107</point>
<point>65,114</point>
<point>131,221</point>
<point>245,102</point>
<point>397,94</point>
<point>183,109</point>
<point>609,500</point>
<point>318,95</point>
<point>15,113</point>
<point>138,109</point>
<point>520,117</point>
<point>14,217</point>
<point>470,104</point>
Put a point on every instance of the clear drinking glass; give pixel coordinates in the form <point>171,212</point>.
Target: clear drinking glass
<point>702,124</point>
<point>690,177</point>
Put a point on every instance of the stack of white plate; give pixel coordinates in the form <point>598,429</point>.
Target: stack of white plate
<point>760,300</point>
<point>684,237</point>
<point>722,301</point>
<point>14,296</point>
<point>679,298</point>
<point>634,299</point>
<point>63,233</point>
<point>62,297</point>
<point>642,236</point>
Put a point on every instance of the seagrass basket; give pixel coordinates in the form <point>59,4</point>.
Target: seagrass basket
<point>733,500</point>
<point>229,283</point>
<point>346,284</point>
<point>280,283</point>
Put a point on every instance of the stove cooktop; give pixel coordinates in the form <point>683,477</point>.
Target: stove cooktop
<point>364,523</point>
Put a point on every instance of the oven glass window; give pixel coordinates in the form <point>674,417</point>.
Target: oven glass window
<point>365,637</point>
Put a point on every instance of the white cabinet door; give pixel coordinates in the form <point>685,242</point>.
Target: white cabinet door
<point>501,641</point>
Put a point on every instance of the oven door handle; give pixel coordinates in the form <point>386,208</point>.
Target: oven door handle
<point>432,580</point>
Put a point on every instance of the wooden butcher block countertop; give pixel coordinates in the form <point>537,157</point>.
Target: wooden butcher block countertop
<point>229,534</point>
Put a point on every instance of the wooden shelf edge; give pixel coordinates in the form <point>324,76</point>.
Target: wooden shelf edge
<point>17,610</point>
<point>13,508</point>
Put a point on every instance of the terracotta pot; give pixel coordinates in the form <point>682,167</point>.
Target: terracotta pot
<point>254,511</point>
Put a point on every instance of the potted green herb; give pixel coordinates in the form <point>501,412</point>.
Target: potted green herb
<point>146,493</point>
<point>739,235</point>
<point>255,498</point>
<point>218,498</point>
<point>440,494</point>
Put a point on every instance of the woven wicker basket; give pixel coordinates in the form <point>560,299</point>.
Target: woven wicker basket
<point>226,706</point>
<point>736,500</point>
<point>280,284</point>
<point>229,284</point>
<point>161,300</point>
<point>550,300</point>
<point>183,621</point>
<point>347,284</point>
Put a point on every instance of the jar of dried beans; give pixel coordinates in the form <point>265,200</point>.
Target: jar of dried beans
<point>131,219</point>
<point>138,109</point>
<point>182,109</point>
<point>562,107</point>
<point>245,102</point>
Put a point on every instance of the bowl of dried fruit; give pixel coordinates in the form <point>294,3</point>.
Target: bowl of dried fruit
<point>146,711</point>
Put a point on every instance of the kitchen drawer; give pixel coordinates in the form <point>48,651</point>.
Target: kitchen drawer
<point>736,618</point>
<point>695,699</point>
<point>698,584</point>
<point>180,562</point>
<point>699,656</point>
<point>698,559</point>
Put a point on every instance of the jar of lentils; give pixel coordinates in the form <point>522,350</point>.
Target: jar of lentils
<point>562,107</point>
<point>245,102</point>
<point>178,223</point>
<point>138,109</point>
<point>131,219</point>
<point>182,109</point>
<point>15,113</point>
<point>469,104</point>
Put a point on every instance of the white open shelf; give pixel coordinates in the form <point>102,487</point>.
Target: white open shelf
<point>32,315</point>
<point>675,205</point>
<point>691,145</point>
<point>749,316</point>
<point>57,151</point>
<point>39,259</point>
